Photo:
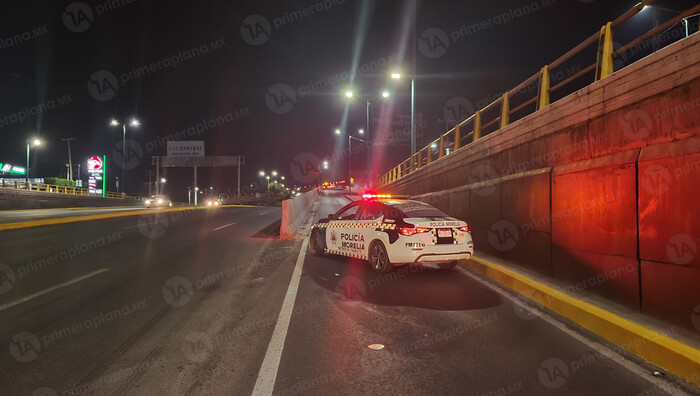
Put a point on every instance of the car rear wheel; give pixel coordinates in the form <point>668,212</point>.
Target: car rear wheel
<point>448,266</point>
<point>318,245</point>
<point>379,259</point>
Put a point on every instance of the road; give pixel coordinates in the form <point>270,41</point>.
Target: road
<point>187,303</point>
<point>13,216</point>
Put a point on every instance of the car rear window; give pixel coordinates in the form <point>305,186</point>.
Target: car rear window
<point>419,209</point>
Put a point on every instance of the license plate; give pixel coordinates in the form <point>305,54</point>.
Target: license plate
<point>445,233</point>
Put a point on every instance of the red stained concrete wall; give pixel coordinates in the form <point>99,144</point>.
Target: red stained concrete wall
<point>600,189</point>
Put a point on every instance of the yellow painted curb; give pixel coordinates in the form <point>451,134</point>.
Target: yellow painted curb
<point>71,208</point>
<point>75,219</point>
<point>670,354</point>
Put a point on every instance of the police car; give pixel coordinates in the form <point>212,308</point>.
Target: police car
<point>389,232</point>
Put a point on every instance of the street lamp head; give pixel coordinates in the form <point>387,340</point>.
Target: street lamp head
<point>114,122</point>
<point>349,94</point>
<point>385,94</point>
<point>338,131</point>
<point>261,173</point>
<point>282,177</point>
<point>395,76</point>
<point>267,177</point>
<point>162,180</point>
<point>36,142</point>
<point>274,173</point>
<point>135,122</point>
<point>361,131</point>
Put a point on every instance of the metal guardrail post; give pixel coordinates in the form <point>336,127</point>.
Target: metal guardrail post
<point>543,92</point>
<point>505,111</point>
<point>458,137</point>
<point>605,65</point>
<point>477,125</point>
<point>420,159</point>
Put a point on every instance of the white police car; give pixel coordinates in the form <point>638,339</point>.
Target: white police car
<point>389,232</point>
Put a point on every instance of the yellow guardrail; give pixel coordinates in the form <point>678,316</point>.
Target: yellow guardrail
<point>497,114</point>
<point>52,188</point>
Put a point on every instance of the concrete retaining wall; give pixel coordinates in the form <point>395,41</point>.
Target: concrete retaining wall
<point>600,189</point>
<point>13,199</point>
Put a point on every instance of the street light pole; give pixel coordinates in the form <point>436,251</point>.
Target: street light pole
<point>30,142</point>
<point>134,122</point>
<point>70,160</point>
<point>26,173</point>
<point>369,148</point>
<point>124,157</point>
<point>413,116</point>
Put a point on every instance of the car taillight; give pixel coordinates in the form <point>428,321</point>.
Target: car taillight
<point>408,231</point>
<point>465,229</point>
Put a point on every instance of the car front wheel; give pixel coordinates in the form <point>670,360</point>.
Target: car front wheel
<point>379,259</point>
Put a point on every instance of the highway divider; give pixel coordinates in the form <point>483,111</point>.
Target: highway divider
<point>75,219</point>
<point>294,211</point>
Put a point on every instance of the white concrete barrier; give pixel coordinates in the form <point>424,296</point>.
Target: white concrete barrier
<point>294,212</point>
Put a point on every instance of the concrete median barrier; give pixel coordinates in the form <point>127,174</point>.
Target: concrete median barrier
<point>14,199</point>
<point>294,211</point>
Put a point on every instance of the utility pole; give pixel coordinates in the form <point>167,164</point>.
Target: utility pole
<point>70,160</point>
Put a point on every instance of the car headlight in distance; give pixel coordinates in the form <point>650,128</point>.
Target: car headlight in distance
<point>160,201</point>
<point>148,202</point>
<point>209,203</point>
<point>216,203</point>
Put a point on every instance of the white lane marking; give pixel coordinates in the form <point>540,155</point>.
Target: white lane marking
<point>603,350</point>
<point>51,289</point>
<point>267,375</point>
<point>223,226</point>
<point>260,214</point>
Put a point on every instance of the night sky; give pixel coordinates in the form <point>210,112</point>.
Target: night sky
<point>265,79</point>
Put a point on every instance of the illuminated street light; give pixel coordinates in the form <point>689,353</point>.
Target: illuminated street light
<point>282,177</point>
<point>33,143</point>
<point>162,180</point>
<point>361,131</point>
<point>397,76</point>
<point>135,123</point>
<point>349,94</point>
<point>274,173</point>
<point>338,131</point>
<point>385,94</point>
<point>261,173</point>
<point>325,164</point>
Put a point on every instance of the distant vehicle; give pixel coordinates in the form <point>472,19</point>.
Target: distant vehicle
<point>158,201</point>
<point>389,232</point>
<point>213,202</point>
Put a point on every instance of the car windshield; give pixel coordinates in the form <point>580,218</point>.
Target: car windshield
<point>172,175</point>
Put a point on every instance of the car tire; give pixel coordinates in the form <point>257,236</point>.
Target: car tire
<point>448,266</point>
<point>318,245</point>
<point>379,258</point>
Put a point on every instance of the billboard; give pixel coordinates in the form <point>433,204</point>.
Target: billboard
<point>9,169</point>
<point>193,148</point>
<point>96,175</point>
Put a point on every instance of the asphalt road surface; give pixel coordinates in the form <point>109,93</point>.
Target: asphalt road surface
<point>189,302</point>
